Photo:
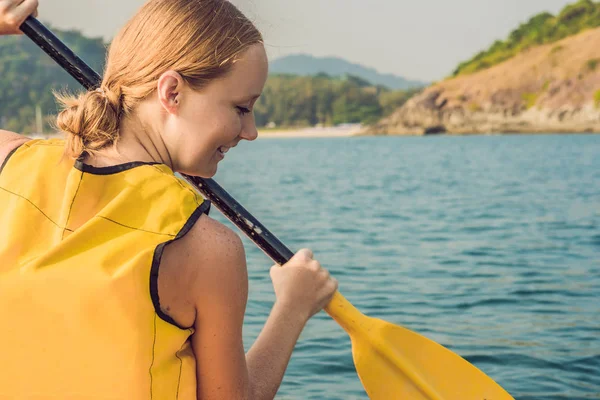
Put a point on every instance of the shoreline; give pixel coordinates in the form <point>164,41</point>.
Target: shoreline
<point>312,132</point>
<point>344,132</point>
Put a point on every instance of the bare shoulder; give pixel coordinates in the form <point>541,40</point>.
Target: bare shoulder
<point>213,251</point>
<point>208,262</point>
<point>8,142</point>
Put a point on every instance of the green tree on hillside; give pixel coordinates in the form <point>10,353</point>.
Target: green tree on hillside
<point>540,29</point>
<point>290,100</point>
<point>28,77</point>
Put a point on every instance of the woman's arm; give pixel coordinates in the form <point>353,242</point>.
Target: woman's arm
<point>213,272</point>
<point>270,354</point>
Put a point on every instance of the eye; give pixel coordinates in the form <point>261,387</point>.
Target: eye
<point>242,110</point>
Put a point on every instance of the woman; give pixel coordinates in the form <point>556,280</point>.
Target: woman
<point>114,283</point>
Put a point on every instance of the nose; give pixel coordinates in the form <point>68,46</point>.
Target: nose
<point>249,131</point>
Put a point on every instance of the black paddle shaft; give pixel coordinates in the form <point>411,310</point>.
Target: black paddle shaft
<point>210,189</point>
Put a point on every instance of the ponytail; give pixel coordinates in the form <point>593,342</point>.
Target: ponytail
<point>90,120</point>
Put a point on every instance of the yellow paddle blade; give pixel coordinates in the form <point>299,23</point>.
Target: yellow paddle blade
<point>394,363</point>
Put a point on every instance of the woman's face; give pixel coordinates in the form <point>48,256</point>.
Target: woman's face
<point>207,123</point>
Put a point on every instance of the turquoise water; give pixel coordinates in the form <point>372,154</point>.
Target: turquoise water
<point>489,245</point>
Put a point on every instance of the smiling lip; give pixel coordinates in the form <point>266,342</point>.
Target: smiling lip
<point>221,151</point>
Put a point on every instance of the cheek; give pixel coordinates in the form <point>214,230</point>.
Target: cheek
<point>227,127</point>
<point>207,128</point>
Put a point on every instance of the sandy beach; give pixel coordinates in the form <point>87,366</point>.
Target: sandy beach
<point>313,132</point>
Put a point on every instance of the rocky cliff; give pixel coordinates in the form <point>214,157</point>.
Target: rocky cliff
<point>550,88</point>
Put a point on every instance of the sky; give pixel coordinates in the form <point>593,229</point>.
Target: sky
<point>416,39</point>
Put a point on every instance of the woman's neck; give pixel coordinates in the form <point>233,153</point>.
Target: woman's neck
<point>137,141</point>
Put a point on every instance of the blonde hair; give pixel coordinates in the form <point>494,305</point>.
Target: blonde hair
<point>200,39</point>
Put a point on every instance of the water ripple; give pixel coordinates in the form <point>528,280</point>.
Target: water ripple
<point>487,245</point>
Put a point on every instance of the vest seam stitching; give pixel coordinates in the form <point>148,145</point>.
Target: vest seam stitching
<point>37,208</point>
<point>152,362</point>
<point>42,142</point>
<point>71,207</point>
<point>134,228</point>
<point>185,187</point>
<point>180,370</point>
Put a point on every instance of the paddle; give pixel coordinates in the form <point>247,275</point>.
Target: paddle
<point>392,362</point>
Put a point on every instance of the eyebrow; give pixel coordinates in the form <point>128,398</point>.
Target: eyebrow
<point>252,98</point>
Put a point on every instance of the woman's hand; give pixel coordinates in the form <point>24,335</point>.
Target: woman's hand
<point>302,286</point>
<point>13,13</point>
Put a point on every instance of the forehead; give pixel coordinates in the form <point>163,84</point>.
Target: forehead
<point>249,72</point>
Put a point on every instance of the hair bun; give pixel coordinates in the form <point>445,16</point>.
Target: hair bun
<point>90,121</point>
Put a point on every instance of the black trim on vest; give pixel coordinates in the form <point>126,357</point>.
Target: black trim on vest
<point>158,252</point>
<point>10,155</point>
<point>114,169</point>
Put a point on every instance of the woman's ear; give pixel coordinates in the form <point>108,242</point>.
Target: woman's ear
<point>169,89</point>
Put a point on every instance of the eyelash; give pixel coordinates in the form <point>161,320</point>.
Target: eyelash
<point>242,110</point>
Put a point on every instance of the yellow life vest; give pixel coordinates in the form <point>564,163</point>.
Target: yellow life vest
<point>80,248</point>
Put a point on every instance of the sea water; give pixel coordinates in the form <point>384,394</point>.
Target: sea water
<point>488,245</point>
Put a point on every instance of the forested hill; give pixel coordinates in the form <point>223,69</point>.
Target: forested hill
<point>28,77</point>
<point>540,29</point>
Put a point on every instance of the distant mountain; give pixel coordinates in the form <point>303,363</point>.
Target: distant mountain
<point>303,64</point>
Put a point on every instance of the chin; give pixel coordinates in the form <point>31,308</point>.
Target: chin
<point>206,172</point>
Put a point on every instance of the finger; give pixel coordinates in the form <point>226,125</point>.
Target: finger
<point>304,255</point>
<point>24,10</point>
<point>4,6</point>
<point>335,284</point>
<point>314,266</point>
<point>331,291</point>
<point>8,5</point>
